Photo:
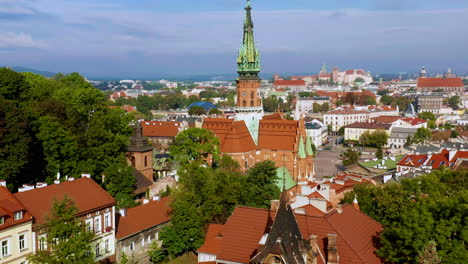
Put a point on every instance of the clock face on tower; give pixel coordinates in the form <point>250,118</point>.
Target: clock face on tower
<point>244,94</point>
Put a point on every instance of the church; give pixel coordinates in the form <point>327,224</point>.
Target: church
<point>251,136</point>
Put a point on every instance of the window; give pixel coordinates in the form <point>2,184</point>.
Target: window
<point>43,242</point>
<point>106,245</point>
<point>97,250</point>
<point>107,220</point>
<point>5,247</point>
<point>22,241</point>
<point>143,242</point>
<point>132,246</point>
<point>2,220</point>
<point>18,215</point>
<point>149,239</point>
<point>89,225</point>
<point>97,225</point>
<point>146,161</point>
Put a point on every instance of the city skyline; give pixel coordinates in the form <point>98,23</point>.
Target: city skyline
<point>157,38</point>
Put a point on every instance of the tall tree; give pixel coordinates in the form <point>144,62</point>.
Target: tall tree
<point>260,185</point>
<point>195,145</point>
<point>350,157</point>
<point>67,238</point>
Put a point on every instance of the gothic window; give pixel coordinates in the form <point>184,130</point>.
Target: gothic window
<point>252,95</point>
<point>146,161</point>
<point>244,103</point>
<point>251,103</point>
<point>133,161</point>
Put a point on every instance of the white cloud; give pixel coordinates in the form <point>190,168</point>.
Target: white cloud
<point>18,40</point>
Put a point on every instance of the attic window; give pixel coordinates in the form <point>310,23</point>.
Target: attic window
<point>442,163</point>
<point>18,215</point>
<point>420,160</point>
<point>2,220</point>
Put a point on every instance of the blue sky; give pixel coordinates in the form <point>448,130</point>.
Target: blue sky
<point>185,37</point>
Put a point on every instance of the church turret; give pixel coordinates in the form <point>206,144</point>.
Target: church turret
<point>248,60</point>
<point>423,73</point>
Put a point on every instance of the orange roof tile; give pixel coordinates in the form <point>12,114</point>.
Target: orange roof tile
<point>213,240</point>
<point>440,82</point>
<point>86,193</point>
<point>312,210</point>
<point>8,206</point>
<point>414,120</point>
<point>277,134</point>
<point>412,160</point>
<point>161,128</point>
<point>144,216</point>
<point>238,140</point>
<point>355,232</point>
<point>289,82</point>
<point>386,119</point>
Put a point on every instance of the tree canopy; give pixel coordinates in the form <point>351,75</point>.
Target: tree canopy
<point>350,157</point>
<point>195,145</point>
<point>416,211</point>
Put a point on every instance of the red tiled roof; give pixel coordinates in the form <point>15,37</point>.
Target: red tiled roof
<point>355,232</point>
<point>412,160</point>
<point>438,160</point>
<point>312,210</point>
<point>144,216</point>
<point>461,154</point>
<point>161,128</point>
<point>349,72</point>
<point>386,119</point>
<point>440,82</point>
<point>325,75</point>
<point>213,240</point>
<point>346,112</point>
<point>86,193</point>
<point>315,195</point>
<point>289,82</point>
<point>234,137</point>
<point>8,206</point>
<point>414,120</point>
<point>277,134</point>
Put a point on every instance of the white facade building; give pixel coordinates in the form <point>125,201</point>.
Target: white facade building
<point>317,132</point>
<point>342,117</point>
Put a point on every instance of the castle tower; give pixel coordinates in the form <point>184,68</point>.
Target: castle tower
<point>140,153</point>
<point>249,103</point>
<point>423,73</point>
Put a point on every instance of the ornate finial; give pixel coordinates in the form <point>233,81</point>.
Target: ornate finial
<point>248,3</point>
<point>248,60</point>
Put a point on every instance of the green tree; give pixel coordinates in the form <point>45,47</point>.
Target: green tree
<point>156,254</point>
<point>341,131</point>
<point>197,110</point>
<point>454,102</point>
<point>427,116</point>
<point>454,134</point>
<point>317,108</point>
<point>260,185</point>
<point>339,103</point>
<point>304,94</point>
<point>215,111</point>
<point>359,80</point>
<point>270,104</point>
<point>422,134</point>
<point>350,157</point>
<point>67,238</point>
<point>386,99</point>
<point>408,142</point>
<point>325,107</point>
<point>194,145</point>
<point>379,153</point>
<point>120,183</point>
<point>12,85</point>
<point>376,138</point>
<point>370,101</point>
<point>383,92</point>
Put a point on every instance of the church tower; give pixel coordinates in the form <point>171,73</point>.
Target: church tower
<point>423,73</point>
<point>249,103</point>
<point>140,153</point>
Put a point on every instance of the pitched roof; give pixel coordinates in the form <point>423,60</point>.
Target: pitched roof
<point>142,217</point>
<point>213,240</point>
<point>438,160</point>
<point>234,136</point>
<point>461,154</point>
<point>412,160</point>
<point>356,234</point>
<point>85,192</point>
<point>346,111</point>
<point>440,82</point>
<point>278,134</point>
<point>386,119</point>
<point>414,120</point>
<point>289,82</point>
<point>161,128</point>
<point>8,206</point>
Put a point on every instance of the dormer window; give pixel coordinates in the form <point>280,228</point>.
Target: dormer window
<point>18,215</point>
<point>2,220</point>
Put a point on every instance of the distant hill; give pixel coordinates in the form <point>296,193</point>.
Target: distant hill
<point>24,69</point>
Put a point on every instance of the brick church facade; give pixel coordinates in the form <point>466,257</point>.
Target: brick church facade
<point>252,137</point>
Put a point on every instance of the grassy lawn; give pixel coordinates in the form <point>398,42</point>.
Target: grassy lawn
<point>389,163</point>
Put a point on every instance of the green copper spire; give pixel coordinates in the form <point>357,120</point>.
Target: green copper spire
<point>248,60</point>
<point>302,150</point>
<point>309,150</point>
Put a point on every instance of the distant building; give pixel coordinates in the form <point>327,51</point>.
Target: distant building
<point>317,131</point>
<point>355,130</point>
<point>206,105</point>
<point>444,84</point>
<point>399,136</point>
<point>162,133</point>
<point>429,103</point>
<point>427,162</point>
<point>342,117</point>
<point>293,85</point>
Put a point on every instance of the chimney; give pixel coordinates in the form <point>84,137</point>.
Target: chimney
<point>87,175</point>
<point>57,181</point>
<point>145,201</point>
<point>41,185</point>
<point>274,205</point>
<point>156,198</point>
<point>3,183</point>
<point>123,211</point>
<point>333,257</point>
<point>26,187</point>
<point>71,179</point>
<point>355,203</point>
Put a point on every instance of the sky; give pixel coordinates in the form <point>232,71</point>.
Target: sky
<point>154,38</point>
